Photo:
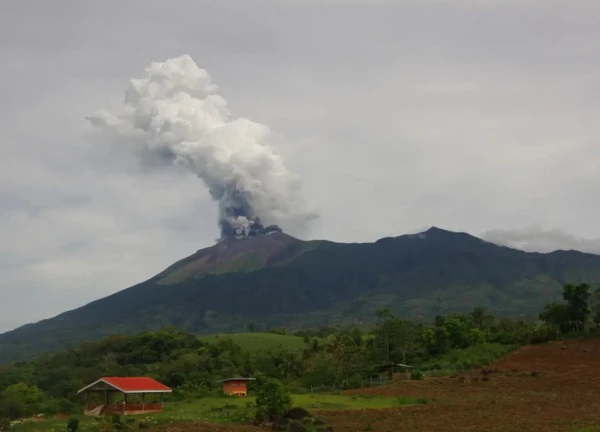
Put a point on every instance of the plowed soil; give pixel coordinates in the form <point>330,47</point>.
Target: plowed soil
<point>552,387</point>
<point>208,427</point>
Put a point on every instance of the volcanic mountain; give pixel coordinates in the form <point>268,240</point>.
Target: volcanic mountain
<point>275,279</point>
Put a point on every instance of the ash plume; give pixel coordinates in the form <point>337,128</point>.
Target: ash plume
<point>174,113</point>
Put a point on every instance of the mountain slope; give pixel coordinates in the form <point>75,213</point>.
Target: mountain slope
<point>235,256</point>
<point>277,279</point>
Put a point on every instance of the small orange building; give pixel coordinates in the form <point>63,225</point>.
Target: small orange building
<point>236,386</point>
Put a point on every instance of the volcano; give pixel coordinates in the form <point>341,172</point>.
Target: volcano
<point>274,279</point>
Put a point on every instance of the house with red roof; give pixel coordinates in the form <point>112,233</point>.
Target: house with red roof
<point>137,395</point>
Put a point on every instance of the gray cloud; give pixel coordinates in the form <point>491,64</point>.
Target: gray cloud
<point>536,239</point>
<point>465,115</point>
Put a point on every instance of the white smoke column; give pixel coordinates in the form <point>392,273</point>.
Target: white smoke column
<point>174,112</point>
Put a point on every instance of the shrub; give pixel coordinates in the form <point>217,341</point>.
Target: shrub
<point>73,424</point>
<point>416,375</point>
<point>355,381</point>
<point>53,406</point>
<point>14,408</point>
<point>21,400</point>
<point>4,424</point>
<point>272,399</point>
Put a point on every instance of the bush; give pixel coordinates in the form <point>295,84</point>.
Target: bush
<point>21,400</point>
<point>354,382</point>
<point>4,424</point>
<point>416,375</point>
<point>272,399</point>
<point>53,406</point>
<point>13,408</point>
<point>73,424</point>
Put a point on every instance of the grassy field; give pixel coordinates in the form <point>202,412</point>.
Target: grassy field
<point>233,410</point>
<point>254,342</point>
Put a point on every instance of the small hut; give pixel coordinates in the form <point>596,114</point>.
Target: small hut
<point>134,390</point>
<point>236,386</point>
<point>393,371</point>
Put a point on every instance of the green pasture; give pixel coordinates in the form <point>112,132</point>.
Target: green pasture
<point>227,410</point>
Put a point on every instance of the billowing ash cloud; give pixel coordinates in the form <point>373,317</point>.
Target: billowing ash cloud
<point>536,239</point>
<point>174,113</point>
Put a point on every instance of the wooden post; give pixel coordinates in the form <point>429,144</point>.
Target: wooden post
<point>162,401</point>
<point>143,401</point>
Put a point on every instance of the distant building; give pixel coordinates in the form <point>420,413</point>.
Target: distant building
<point>134,390</point>
<point>236,386</point>
<point>393,371</point>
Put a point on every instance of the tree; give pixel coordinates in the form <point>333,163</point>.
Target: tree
<point>20,400</point>
<point>251,327</point>
<point>346,356</point>
<point>574,315</point>
<point>578,298</point>
<point>272,399</point>
<point>557,315</point>
<point>384,316</point>
<point>458,332</point>
<point>400,339</point>
<point>596,307</point>
<point>480,317</point>
<point>406,341</point>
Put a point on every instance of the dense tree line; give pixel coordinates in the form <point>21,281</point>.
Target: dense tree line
<point>343,357</point>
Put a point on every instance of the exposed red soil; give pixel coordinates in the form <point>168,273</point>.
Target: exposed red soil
<point>552,387</point>
<point>208,427</point>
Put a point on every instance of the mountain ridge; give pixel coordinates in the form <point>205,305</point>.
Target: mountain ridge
<point>276,279</point>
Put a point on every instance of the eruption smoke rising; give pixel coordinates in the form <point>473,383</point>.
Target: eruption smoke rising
<point>174,113</point>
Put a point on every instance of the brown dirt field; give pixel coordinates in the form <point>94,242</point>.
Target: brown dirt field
<point>562,395</point>
<point>207,427</point>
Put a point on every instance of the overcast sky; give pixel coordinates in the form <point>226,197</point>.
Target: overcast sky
<point>478,116</point>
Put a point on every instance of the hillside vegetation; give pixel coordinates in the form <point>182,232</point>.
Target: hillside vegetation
<point>277,280</point>
<point>331,358</point>
<point>254,343</point>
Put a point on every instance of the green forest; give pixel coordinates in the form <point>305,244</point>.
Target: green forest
<point>327,357</point>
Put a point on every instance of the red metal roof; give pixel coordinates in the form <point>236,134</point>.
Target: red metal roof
<point>132,385</point>
<point>136,384</point>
